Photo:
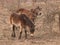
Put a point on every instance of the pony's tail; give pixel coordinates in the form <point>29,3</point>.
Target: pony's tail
<point>11,19</point>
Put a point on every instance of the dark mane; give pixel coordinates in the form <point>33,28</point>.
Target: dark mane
<point>26,20</point>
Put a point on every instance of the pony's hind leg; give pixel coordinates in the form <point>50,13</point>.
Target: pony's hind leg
<point>13,33</point>
<point>20,32</point>
<point>20,35</point>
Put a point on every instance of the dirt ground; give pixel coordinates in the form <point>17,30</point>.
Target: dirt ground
<point>43,40</point>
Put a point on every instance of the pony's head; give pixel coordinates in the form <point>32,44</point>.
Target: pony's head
<point>36,11</point>
<point>32,30</point>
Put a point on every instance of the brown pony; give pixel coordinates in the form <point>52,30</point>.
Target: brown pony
<point>22,21</point>
<point>31,14</point>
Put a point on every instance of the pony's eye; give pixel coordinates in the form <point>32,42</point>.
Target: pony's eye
<point>40,13</point>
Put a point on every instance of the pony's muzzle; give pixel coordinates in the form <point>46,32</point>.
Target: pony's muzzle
<point>31,35</point>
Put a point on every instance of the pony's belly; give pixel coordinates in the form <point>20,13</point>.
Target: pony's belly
<point>16,24</point>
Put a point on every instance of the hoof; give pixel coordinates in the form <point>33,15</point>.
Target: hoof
<point>19,38</point>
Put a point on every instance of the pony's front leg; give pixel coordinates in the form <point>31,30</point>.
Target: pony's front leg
<point>25,34</point>
<point>13,33</point>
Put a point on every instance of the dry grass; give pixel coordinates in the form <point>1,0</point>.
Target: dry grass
<point>47,26</point>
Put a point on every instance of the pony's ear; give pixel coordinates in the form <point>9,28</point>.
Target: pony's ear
<point>39,8</point>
